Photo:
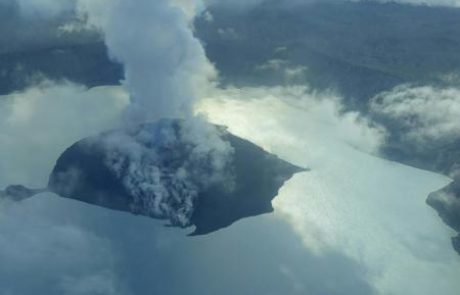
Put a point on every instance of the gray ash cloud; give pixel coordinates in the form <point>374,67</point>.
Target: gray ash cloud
<point>165,170</point>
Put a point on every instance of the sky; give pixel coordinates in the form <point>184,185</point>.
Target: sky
<point>353,224</point>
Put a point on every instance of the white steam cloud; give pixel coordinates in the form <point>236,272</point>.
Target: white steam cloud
<point>165,65</point>
<point>166,70</point>
<point>168,191</point>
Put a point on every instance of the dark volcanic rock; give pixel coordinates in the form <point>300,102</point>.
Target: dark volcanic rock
<point>259,176</point>
<point>456,243</point>
<point>19,192</point>
<point>157,170</point>
<point>447,203</point>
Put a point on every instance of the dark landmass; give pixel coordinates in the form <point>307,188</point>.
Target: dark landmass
<point>19,193</point>
<point>86,64</point>
<point>456,243</point>
<point>358,49</point>
<point>259,176</point>
<point>82,173</point>
<point>447,203</point>
<point>33,49</point>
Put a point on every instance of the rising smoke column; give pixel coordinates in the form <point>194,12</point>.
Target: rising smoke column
<point>165,65</point>
<point>165,70</point>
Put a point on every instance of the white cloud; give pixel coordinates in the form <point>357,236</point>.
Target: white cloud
<point>165,65</point>
<point>39,123</point>
<point>324,110</point>
<point>38,243</point>
<point>290,72</point>
<point>425,113</point>
<point>228,33</point>
<point>74,27</point>
<point>190,8</point>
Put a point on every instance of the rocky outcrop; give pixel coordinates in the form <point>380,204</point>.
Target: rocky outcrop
<point>447,203</point>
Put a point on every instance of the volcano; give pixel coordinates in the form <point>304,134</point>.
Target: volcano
<point>159,170</point>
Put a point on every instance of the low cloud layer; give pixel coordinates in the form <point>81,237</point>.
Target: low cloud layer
<point>39,123</point>
<point>425,114</point>
<point>54,257</point>
<point>323,109</point>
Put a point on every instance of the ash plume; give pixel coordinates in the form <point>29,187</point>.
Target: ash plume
<point>165,65</point>
<point>165,69</point>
